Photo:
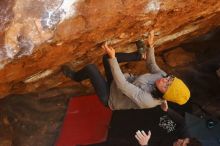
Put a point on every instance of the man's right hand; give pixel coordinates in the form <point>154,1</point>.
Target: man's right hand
<point>109,50</point>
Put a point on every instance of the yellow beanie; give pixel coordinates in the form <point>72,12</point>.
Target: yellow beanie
<point>177,92</point>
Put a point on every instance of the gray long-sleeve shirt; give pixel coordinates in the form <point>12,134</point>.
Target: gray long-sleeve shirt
<point>130,92</point>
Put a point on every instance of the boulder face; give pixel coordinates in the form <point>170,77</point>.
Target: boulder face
<point>37,37</point>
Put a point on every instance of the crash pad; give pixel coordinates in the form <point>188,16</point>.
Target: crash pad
<point>86,122</point>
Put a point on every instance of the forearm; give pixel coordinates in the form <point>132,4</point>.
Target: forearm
<point>116,73</point>
<point>151,62</point>
<point>130,90</point>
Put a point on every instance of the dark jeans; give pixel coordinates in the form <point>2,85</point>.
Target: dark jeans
<point>101,86</point>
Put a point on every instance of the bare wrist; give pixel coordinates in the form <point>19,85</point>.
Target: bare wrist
<point>151,46</point>
<point>111,57</point>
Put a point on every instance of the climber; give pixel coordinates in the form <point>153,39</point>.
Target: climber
<point>128,91</point>
<point>176,128</point>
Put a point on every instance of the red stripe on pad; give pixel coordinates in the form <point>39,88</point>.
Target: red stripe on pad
<point>86,122</point>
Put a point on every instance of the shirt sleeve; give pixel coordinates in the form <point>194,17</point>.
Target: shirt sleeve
<point>151,62</point>
<point>142,98</point>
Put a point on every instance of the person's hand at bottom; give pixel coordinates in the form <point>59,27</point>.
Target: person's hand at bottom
<point>142,137</point>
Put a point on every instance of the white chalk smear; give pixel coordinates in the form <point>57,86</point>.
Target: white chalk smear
<point>38,76</point>
<point>174,36</point>
<point>10,52</point>
<point>153,6</point>
<point>57,14</point>
<point>68,6</point>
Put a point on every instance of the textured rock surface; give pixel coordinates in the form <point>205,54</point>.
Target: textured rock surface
<point>178,57</point>
<point>37,36</point>
<point>35,119</point>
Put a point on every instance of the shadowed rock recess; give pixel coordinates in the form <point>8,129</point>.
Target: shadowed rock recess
<point>37,37</point>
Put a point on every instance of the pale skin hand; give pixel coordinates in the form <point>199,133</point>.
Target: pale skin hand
<point>109,50</point>
<point>164,106</point>
<point>150,41</point>
<point>142,137</point>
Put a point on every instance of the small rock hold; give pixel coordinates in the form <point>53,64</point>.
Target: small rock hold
<point>59,43</point>
<point>123,36</point>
